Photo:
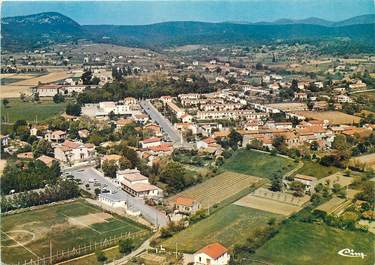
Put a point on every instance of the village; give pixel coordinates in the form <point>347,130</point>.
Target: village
<point>179,139</point>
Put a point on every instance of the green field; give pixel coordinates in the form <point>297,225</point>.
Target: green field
<point>256,163</point>
<point>316,170</point>
<point>231,225</point>
<point>314,244</point>
<point>65,225</point>
<point>29,111</point>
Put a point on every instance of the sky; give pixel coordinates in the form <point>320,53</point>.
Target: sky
<point>154,11</point>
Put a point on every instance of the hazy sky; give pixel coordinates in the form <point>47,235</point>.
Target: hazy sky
<point>153,11</point>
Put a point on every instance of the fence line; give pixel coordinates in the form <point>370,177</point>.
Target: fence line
<point>80,250</point>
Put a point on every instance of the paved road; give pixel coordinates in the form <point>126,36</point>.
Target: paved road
<point>88,174</point>
<point>163,122</point>
<point>135,252</point>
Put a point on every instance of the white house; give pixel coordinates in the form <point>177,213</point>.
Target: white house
<point>55,136</point>
<point>213,254</point>
<point>186,205</point>
<point>150,142</point>
<point>112,199</point>
<point>74,152</point>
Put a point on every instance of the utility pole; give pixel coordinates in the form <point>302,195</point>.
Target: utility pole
<point>50,251</point>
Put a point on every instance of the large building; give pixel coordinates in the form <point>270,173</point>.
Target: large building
<point>137,185</point>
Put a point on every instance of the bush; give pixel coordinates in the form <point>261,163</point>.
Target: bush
<point>126,246</point>
<point>100,256</point>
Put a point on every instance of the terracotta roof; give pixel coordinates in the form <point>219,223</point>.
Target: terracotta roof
<point>214,250</point>
<point>25,155</point>
<point>70,144</point>
<point>209,140</point>
<point>58,133</point>
<point>46,159</point>
<point>184,201</point>
<point>305,177</point>
<point>151,140</point>
<point>111,157</point>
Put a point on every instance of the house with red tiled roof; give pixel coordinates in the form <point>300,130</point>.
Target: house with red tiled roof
<point>186,205</point>
<point>73,152</point>
<point>213,254</point>
<point>150,142</point>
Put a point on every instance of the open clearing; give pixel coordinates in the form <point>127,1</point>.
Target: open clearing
<point>218,188</point>
<point>231,225</point>
<point>367,159</point>
<point>30,111</point>
<point>273,202</point>
<point>259,164</point>
<point>14,89</point>
<point>334,117</point>
<point>314,244</point>
<point>27,235</point>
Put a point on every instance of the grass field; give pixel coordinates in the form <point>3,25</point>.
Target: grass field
<point>314,244</point>
<point>259,164</point>
<point>316,170</point>
<point>218,188</point>
<point>65,225</point>
<point>229,226</point>
<point>369,160</point>
<point>17,110</point>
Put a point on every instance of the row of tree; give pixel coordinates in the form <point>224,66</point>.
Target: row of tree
<point>62,190</point>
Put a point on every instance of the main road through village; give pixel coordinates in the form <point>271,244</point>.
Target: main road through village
<point>164,123</point>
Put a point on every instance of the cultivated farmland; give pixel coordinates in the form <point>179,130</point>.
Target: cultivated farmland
<point>231,225</point>
<point>334,117</point>
<point>27,81</point>
<point>218,188</point>
<point>313,244</point>
<point>259,164</point>
<point>27,235</point>
<point>369,160</point>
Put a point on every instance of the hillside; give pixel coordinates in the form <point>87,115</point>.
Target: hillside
<point>27,32</point>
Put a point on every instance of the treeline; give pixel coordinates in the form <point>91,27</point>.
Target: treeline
<point>22,176</point>
<point>63,190</point>
<point>118,90</point>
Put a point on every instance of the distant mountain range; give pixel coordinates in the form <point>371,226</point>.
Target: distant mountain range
<point>33,31</point>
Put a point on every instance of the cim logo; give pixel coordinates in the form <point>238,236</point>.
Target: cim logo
<point>347,252</point>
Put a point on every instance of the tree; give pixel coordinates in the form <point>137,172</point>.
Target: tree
<point>5,102</point>
<point>173,174</point>
<point>58,98</point>
<point>109,168</point>
<point>100,257</point>
<point>235,138</point>
<point>276,183</point>
<point>126,246</point>
<point>42,147</point>
<point>36,96</point>
<point>86,77</point>
<point>124,163</point>
<point>73,109</point>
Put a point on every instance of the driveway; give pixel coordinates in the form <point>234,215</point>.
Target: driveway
<point>88,174</point>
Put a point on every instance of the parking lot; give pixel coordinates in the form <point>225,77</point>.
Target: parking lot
<point>95,179</point>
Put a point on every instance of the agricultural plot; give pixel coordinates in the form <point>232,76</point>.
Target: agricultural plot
<point>259,164</point>
<point>273,202</point>
<point>231,225</point>
<point>337,178</point>
<point>334,117</point>
<point>334,206</point>
<point>369,160</point>
<point>30,111</point>
<point>27,81</point>
<point>313,244</point>
<point>28,235</point>
<point>218,188</point>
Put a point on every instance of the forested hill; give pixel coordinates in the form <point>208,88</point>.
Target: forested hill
<point>27,32</point>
